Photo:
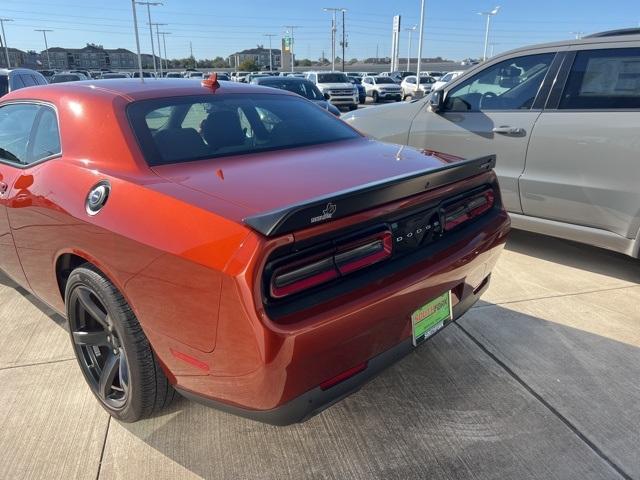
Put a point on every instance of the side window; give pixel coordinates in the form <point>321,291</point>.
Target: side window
<point>46,138</point>
<point>16,82</point>
<point>411,80</point>
<point>16,124</point>
<point>368,81</point>
<point>508,85</point>
<point>27,80</point>
<point>603,79</point>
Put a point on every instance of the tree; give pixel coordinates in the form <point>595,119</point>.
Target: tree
<point>220,62</point>
<point>352,61</point>
<point>305,62</point>
<point>248,65</point>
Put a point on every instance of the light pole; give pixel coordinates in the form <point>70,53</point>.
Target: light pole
<point>270,35</point>
<point>153,52</point>
<point>135,28</point>
<point>46,46</point>
<point>490,14</point>
<point>164,42</point>
<point>420,48</point>
<point>158,25</point>
<point>410,30</point>
<point>333,35</point>
<point>344,40</point>
<point>4,40</point>
<point>290,28</point>
<point>577,34</point>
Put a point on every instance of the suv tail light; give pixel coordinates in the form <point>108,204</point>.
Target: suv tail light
<point>303,275</point>
<point>467,209</point>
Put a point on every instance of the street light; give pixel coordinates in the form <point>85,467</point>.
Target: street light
<point>270,57</point>
<point>410,30</point>
<point>334,28</point>
<point>420,48</point>
<point>4,39</point>
<point>46,46</point>
<point>153,52</point>
<point>490,14</point>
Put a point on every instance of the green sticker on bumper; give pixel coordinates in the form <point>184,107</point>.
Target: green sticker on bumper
<point>430,318</point>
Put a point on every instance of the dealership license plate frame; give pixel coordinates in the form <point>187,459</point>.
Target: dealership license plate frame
<point>431,317</point>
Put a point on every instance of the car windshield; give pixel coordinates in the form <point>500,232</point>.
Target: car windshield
<point>304,89</point>
<point>182,129</point>
<point>114,75</point>
<point>427,80</point>
<point>384,80</point>
<point>332,78</point>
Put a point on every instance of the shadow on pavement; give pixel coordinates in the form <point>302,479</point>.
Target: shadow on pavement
<point>448,410</point>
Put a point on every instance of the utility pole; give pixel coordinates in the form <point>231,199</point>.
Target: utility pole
<point>135,27</point>
<point>290,28</point>
<point>4,40</point>
<point>270,35</point>
<point>420,48</point>
<point>344,41</point>
<point>377,52</point>
<point>158,25</point>
<point>164,42</point>
<point>490,14</point>
<point>153,51</point>
<point>46,46</point>
<point>334,28</point>
<point>577,34</point>
<point>410,30</point>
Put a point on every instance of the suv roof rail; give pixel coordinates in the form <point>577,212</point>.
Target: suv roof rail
<point>615,33</point>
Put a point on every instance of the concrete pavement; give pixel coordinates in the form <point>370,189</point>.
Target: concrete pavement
<point>540,380</point>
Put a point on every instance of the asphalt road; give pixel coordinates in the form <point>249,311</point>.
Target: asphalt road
<point>540,380</point>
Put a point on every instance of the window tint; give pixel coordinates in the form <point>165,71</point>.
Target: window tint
<point>447,77</point>
<point>28,80</point>
<point>332,78</point>
<point>46,138</point>
<point>384,80</point>
<point>4,85</point>
<point>16,123</point>
<point>180,129</point>
<point>604,79</point>
<point>509,85</point>
<point>17,82</point>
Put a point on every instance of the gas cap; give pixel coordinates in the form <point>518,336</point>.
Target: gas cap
<point>97,197</point>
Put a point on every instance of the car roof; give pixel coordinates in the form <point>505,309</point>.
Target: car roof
<point>133,89</point>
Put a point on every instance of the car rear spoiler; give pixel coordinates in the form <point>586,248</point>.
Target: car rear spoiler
<point>348,202</point>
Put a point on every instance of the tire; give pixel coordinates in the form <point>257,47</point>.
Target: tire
<point>363,100</point>
<point>113,352</point>
<point>376,97</point>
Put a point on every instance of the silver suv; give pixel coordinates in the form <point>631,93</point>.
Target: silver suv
<point>16,78</point>
<point>564,121</point>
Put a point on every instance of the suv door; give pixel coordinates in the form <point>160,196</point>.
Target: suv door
<point>16,124</point>
<point>582,164</point>
<point>492,111</point>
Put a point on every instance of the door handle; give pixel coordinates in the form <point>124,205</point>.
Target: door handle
<point>510,131</point>
<point>3,188</point>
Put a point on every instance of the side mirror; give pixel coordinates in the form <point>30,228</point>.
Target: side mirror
<point>436,101</point>
<point>327,96</point>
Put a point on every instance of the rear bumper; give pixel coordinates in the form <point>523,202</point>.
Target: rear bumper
<point>315,401</point>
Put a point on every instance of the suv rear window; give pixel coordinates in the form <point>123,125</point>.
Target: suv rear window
<point>183,129</point>
<point>384,80</point>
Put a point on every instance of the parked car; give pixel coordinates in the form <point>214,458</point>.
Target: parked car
<point>84,73</point>
<point>342,93</point>
<point>399,75</point>
<point>220,75</point>
<point>69,77</point>
<point>193,74</point>
<point>448,77</point>
<point>137,75</point>
<point>47,73</point>
<point>114,75</point>
<point>302,258</point>
<point>382,88</point>
<point>235,76</point>
<point>174,75</point>
<point>409,85</point>
<point>16,78</point>
<point>362,93</point>
<point>301,86</point>
<point>433,74</point>
<point>249,78</point>
<point>563,121</point>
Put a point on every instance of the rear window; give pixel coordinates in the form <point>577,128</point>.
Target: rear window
<point>380,80</point>
<point>332,78</point>
<point>182,129</point>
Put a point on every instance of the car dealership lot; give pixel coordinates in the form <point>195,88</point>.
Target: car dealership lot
<point>539,380</point>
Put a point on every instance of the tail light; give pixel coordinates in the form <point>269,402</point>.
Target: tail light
<point>346,259</point>
<point>467,209</point>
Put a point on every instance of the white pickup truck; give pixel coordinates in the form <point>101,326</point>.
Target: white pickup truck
<point>336,88</point>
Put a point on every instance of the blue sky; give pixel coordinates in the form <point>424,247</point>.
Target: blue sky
<point>219,27</point>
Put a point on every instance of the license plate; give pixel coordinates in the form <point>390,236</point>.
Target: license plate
<point>430,318</point>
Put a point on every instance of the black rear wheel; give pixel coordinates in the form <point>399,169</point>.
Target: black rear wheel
<point>112,350</point>
<point>376,97</point>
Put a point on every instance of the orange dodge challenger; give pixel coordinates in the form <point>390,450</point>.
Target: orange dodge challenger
<point>234,243</point>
